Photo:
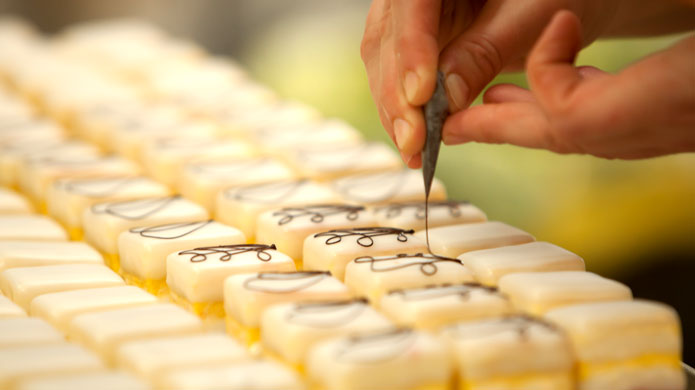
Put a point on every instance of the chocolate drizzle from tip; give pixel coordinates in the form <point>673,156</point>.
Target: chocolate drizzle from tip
<point>426,262</point>
<point>326,314</point>
<point>135,209</point>
<point>227,251</point>
<point>396,209</point>
<point>365,235</point>
<point>376,347</point>
<point>272,282</point>
<point>317,213</point>
<point>165,231</point>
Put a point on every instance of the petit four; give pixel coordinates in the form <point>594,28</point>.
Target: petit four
<point>411,215</point>
<point>332,250</point>
<point>9,309</point>
<point>373,276</point>
<point>13,203</point>
<point>37,253</point>
<point>489,265</point>
<point>386,187</point>
<point>252,375</point>
<point>331,162</point>
<point>15,332</point>
<point>30,228</point>
<point>143,250</point>
<point>454,240</point>
<point>26,283</point>
<point>196,276</point>
<point>537,292</point>
<point>102,380</point>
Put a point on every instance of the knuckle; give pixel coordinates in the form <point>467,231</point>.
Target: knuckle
<point>485,54</point>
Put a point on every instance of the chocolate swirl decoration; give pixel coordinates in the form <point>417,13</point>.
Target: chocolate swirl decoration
<point>135,209</point>
<point>381,186</point>
<point>227,251</point>
<point>463,291</point>
<point>426,262</point>
<point>266,193</point>
<point>98,187</point>
<point>326,315</point>
<point>519,323</point>
<point>276,282</point>
<point>164,232</point>
<point>228,167</point>
<point>396,209</point>
<point>317,213</point>
<point>376,347</point>
<point>365,235</point>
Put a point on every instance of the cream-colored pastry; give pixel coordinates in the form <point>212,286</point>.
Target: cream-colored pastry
<point>60,308</point>
<point>511,353</point>
<point>290,330</point>
<point>330,162</point>
<point>489,265</point>
<point>624,345</point>
<point>373,276</point>
<point>30,228</point>
<point>68,198</point>
<point>246,296</point>
<point>163,159</point>
<point>288,227</point>
<point>26,283</point>
<point>150,359</point>
<point>39,175</point>
<point>252,375</point>
<point>454,240</point>
<point>13,203</point>
<point>287,139</point>
<point>196,276</point>
<point>201,180</point>
<point>411,215</point>
<point>35,361</point>
<point>432,307</point>
<point>143,251</point>
<point>538,292</point>
<point>104,331</point>
<point>241,206</point>
<point>37,253</point>
<point>332,250</point>
<point>9,309</point>
<point>103,222</point>
<point>386,187</point>
<point>245,121</point>
<point>385,359</point>
<point>15,332</point>
<point>102,380</point>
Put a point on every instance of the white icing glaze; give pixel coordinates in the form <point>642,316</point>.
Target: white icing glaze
<point>13,203</point>
<point>30,228</point>
<point>326,163</point>
<point>15,332</point>
<point>37,253</point>
<point>102,380</point>
<point>411,215</point>
<point>386,187</point>
<point>9,309</point>
<point>254,375</point>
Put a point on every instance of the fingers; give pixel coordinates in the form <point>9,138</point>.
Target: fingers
<point>415,33</point>
<point>550,68</point>
<point>503,93</point>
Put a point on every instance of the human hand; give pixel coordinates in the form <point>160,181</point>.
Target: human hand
<point>646,110</point>
<point>470,40</point>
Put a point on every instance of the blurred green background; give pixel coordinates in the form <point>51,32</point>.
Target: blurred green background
<point>630,220</point>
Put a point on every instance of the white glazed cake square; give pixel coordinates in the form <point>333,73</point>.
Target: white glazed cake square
<point>28,362</point>
<point>104,331</point>
<point>196,276</point>
<point>489,265</point>
<point>252,375</point>
<point>454,240</point>
<point>59,308</point>
<point>38,253</point>
<point>538,292</point>
<point>21,331</point>
<point>103,222</point>
<point>143,251</point>
<point>30,227</point>
<point>411,215</point>
<point>9,309</point>
<point>387,359</point>
<point>102,380</point>
<point>511,353</point>
<point>624,345</point>
<point>24,284</point>
<point>68,198</point>
<point>432,307</point>
<point>200,181</point>
<point>372,277</point>
<point>331,162</point>
<point>241,206</point>
<point>150,359</point>
<point>386,187</point>
<point>286,138</point>
<point>332,250</point>
<point>290,330</point>
<point>13,203</point>
<point>288,227</point>
<point>246,296</point>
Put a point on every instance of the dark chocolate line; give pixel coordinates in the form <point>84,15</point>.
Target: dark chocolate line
<point>147,231</point>
<point>279,190</point>
<point>428,267</point>
<point>201,254</point>
<point>365,235</point>
<point>332,314</point>
<point>396,209</point>
<point>391,344</point>
<point>312,278</point>
<point>76,186</point>
<point>463,291</point>
<point>317,213</point>
<point>147,207</point>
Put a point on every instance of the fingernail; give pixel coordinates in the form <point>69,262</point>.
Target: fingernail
<point>406,158</point>
<point>403,132</point>
<point>458,91</point>
<point>411,85</point>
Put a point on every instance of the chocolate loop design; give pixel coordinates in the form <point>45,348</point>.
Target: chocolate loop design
<point>396,209</point>
<point>375,347</point>
<point>326,314</point>
<point>149,231</point>
<point>317,213</point>
<point>426,262</point>
<point>463,291</point>
<point>109,185</point>
<point>365,235</point>
<point>135,209</point>
<point>266,282</point>
<point>267,193</point>
<point>201,254</point>
<point>392,182</point>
